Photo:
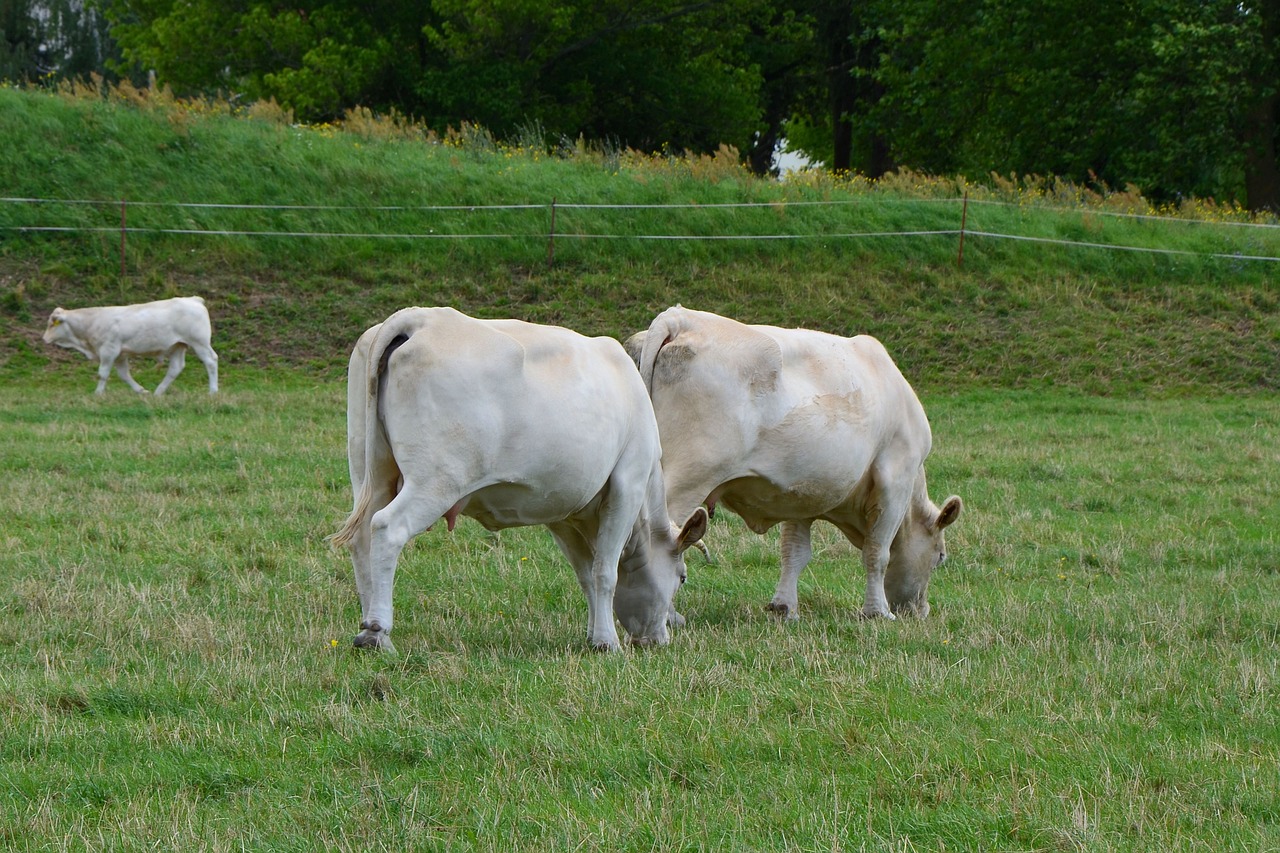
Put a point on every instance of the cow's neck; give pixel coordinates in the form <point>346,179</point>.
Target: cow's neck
<point>80,347</point>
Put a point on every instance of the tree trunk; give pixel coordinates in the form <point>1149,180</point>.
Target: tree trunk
<point>1261,159</point>
<point>1261,135</point>
<point>760,158</point>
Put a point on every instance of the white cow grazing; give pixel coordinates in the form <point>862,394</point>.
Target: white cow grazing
<point>512,424</point>
<point>791,426</point>
<point>110,335</point>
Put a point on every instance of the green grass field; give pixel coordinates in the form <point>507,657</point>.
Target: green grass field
<point>1099,671</point>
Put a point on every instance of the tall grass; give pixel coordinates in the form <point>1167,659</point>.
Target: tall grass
<point>175,669</point>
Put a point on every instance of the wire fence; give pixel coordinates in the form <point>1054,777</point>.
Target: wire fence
<point>545,222</point>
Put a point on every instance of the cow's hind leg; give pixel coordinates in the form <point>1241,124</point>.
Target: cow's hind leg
<point>382,489</point>
<point>390,529</point>
<point>177,360</point>
<point>209,359</point>
<point>577,550</point>
<point>797,550</point>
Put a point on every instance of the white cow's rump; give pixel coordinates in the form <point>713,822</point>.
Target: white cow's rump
<point>512,424</point>
<point>790,426</point>
<point>109,335</point>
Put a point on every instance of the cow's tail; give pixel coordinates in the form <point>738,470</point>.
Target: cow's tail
<point>662,331</point>
<point>394,332</point>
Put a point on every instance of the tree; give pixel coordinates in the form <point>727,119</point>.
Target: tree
<point>648,74</point>
<point>1157,93</point>
<point>1260,134</point>
<point>318,58</point>
<point>1178,97</point>
<point>662,72</point>
<point>59,38</point>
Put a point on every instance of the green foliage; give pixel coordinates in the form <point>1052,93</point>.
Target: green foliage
<point>52,38</point>
<point>1152,93</point>
<point>603,70</point>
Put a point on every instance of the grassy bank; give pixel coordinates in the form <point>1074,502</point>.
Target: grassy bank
<point>1016,314</point>
<point>1097,673</point>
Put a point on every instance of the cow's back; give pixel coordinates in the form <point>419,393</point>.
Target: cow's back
<point>150,327</point>
<point>775,422</point>
<point>486,402</point>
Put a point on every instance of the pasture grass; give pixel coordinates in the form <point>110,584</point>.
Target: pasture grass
<point>1099,671</point>
<point>1016,314</point>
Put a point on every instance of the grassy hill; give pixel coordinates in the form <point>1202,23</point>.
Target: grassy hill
<point>1015,314</point>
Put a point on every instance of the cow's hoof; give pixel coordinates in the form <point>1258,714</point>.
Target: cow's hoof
<point>783,611</point>
<point>876,614</point>
<point>911,608</point>
<point>606,646</point>
<point>649,642</point>
<point>377,640</point>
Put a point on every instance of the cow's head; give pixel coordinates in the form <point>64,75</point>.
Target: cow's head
<point>918,549</point>
<point>57,332</point>
<point>647,588</point>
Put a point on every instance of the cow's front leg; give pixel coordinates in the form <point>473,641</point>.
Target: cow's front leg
<point>577,550</point>
<point>875,556</point>
<point>603,635</point>
<point>122,370</point>
<point>796,553</point>
<point>106,359</point>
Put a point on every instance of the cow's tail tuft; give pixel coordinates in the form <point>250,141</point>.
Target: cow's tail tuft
<point>342,538</point>
<point>390,337</point>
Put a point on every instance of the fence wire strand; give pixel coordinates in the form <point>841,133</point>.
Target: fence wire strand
<point>569,235</point>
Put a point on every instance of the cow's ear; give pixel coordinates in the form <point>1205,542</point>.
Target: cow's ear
<point>950,512</point>
<point>695,527</point>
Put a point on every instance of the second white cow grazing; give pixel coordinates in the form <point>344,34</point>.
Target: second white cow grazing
<point>166,329</point>
<point>511,424</point>
<point>791,426</point>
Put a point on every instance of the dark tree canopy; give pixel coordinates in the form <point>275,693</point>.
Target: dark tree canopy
<point>1178,97</point>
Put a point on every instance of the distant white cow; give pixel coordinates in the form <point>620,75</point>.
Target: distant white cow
<point>110,335</point>
<point>512,424</point>
<point>792,426</point>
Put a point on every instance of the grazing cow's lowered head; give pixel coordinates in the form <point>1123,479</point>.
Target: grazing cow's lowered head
<point>648,580</point>
<point>917,550</point>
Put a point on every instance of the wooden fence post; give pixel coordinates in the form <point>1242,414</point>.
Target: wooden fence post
<point>964,215</point>
<point>123,229</point>
<point>551,238</point>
